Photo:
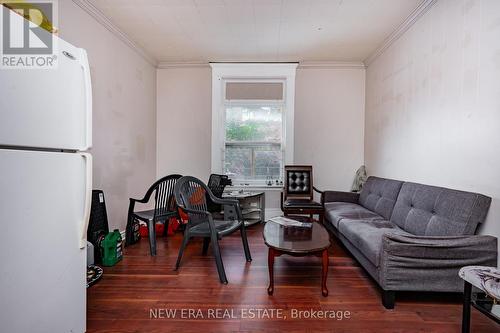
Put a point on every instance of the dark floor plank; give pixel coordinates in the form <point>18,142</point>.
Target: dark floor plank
<point>122,300</point>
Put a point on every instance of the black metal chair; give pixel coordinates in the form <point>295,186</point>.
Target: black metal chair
<point>165,207</point>
<point>217,184</point>
<point>191,195</point>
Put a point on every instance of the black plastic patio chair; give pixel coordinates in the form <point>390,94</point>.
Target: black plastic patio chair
<point>190,195</point>
<point>165,208</point>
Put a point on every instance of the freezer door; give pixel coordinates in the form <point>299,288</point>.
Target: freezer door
<point>48,108</point>
<point>42,214</point>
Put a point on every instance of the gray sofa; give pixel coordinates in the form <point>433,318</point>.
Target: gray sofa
<point>411,237</point>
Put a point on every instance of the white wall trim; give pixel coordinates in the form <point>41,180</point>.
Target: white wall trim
<point>331,65</point>
<point>167,64</point>
<point>410,20</point>
<point>302,65</point>
<point>255,188</point>
<point>92,10</point>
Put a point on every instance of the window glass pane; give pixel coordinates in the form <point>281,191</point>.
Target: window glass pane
<point>238,162</point>
<point>268,162</point>
<point>253,162</point>
<point>254,123</point>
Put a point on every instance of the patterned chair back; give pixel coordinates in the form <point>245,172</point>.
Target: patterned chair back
<point>298,181</point>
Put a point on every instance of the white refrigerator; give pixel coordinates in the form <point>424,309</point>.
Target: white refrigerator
<point>45,193</point>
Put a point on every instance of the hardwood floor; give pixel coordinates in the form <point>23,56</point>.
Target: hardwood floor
<point>141,286</point>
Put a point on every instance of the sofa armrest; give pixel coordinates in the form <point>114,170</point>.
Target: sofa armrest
<point>337,196</point>
<point>431,263</point>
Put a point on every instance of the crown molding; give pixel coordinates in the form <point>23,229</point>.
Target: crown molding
<point>410,20</point>
<point>92,10</point>
<point>301,65</point>
<point>174,64</point>
<point>331,65</point>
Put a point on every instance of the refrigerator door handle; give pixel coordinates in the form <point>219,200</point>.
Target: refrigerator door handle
<point>88,199</point>
<point>88,97</point>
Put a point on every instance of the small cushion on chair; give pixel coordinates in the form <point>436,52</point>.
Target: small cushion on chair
<point>301,204</point>
<point>485,278</point>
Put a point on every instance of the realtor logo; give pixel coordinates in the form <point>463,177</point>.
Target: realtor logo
<point>27,34</point>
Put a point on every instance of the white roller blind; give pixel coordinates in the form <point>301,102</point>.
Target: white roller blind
<point>254,91</point>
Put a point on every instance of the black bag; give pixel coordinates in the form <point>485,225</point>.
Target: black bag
<point>98,224</point>
<point>132,234</point>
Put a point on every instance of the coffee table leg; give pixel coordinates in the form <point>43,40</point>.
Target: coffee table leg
<point>270,264</point>
<point>324,289</point>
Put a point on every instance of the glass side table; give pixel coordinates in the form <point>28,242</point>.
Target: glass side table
<point>482,291</point>
<point>252,204</point>
<point>487,305</point>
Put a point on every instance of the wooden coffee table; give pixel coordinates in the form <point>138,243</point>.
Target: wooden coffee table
<point>297,242</point>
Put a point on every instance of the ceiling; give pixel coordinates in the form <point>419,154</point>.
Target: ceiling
<point>257,30</point>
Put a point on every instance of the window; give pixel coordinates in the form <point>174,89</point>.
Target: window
<point>253,137</point>
<point>252,121</point>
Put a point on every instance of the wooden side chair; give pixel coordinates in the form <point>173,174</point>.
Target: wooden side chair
<point>297,197</point>
<point>164,209</point>
<point>191,195</point>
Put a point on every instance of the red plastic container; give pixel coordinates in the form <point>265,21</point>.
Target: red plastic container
<point>160,228</point>
<point>143,230</point>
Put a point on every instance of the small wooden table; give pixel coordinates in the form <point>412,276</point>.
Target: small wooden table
<point>298,242</point>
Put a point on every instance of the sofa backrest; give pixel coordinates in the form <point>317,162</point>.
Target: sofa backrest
<point>436,211</point>
<point>379,195</point>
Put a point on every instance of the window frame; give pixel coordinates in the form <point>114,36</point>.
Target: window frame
<point>223,73</point>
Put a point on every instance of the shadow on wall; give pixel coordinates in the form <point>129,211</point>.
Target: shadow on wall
<point>492,224</point>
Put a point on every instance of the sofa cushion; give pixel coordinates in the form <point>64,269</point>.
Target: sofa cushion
<point>436,211</point>
<point>367,236</point>
<point>379,195</point>
<point>336,211</point>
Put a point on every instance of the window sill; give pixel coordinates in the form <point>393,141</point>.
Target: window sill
<point>255,187</point>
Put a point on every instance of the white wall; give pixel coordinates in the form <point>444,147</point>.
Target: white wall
<point>184,121</point>
<point>433,103</point>
<point>329,124</point>
<point>124,111</point>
